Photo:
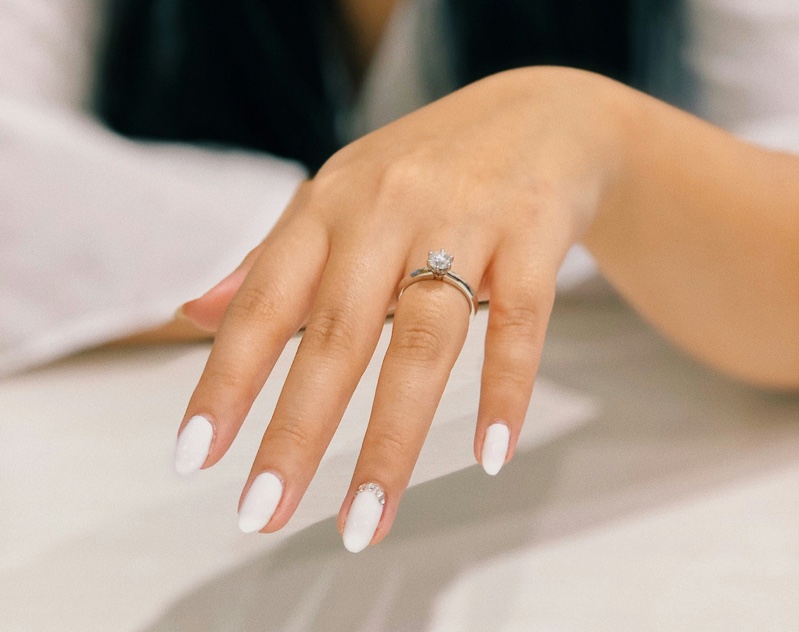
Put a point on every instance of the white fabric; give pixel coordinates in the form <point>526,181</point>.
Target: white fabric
<point>100,236</point>
<point>47,50</point>
<point>744,58</point>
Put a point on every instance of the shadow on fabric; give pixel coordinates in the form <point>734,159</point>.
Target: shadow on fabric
<point>670,432</point>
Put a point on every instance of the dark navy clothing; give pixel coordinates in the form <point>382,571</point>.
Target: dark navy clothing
<point>249,73</point>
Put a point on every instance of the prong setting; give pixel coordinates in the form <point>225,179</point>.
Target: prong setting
<point>439,262</point>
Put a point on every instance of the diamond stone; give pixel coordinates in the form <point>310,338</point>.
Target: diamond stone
<point>374,488</point>
<point>439,261</point>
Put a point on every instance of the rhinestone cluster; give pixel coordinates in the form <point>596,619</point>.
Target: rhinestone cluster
<point>439,261</point>
<point>374,488</point>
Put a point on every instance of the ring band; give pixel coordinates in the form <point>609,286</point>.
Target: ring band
<point>439,263</point>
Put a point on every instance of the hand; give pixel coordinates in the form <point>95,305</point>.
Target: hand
<point>505,174</point>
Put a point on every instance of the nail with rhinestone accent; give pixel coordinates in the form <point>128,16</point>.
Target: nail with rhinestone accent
<point>495,447</point>
<point>193,445</point>
<point>364,516</point>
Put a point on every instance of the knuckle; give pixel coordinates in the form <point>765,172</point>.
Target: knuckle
<point>519,320</point>
<point>224,377</point>
<point>509,379</point>
<point>405,169</point>
<point>399,178</point>
<point>519,332</point>
<point>392,446</point>
<point>327,184</point>
<point>420,342</point>
<point>542,192</point>
<point>293,433</point>
<point>340,160</point>
<point>331,332</point>
<point>254,303</point>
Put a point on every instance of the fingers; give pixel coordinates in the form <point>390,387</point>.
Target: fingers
<point>342,332</point>
<point>522,293</point>
<point>207,311</point>
<point>343,291</point>
<point>429,329</point>
<point>267,310</point>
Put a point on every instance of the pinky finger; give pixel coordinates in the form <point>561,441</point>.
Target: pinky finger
<point>520,305</point>
<point>207,311</point>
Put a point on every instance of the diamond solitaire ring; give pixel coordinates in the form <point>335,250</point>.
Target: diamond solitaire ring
<point>438,269</point>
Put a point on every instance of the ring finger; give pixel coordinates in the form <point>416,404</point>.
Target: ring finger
<point>430,325</point>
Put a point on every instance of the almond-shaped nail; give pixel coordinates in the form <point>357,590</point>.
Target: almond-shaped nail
<point>260,502</point>
<point>193,445</point>
<point>364,516</point>
<point>495,447</point>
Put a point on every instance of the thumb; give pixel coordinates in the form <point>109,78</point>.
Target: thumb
<point>207,311</point>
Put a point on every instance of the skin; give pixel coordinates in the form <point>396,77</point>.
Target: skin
<point>698,230</point>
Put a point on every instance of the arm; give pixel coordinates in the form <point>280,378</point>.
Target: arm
<point>701,234</point>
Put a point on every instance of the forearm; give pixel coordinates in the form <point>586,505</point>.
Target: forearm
<point>701,234</point>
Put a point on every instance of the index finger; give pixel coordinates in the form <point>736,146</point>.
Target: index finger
<point>268,309</point>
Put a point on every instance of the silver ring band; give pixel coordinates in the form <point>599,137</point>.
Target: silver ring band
<point>440,273</point>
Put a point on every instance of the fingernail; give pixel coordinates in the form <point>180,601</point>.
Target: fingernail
<point>364,516</point>
<point>260,502</point>
<point>495,447</point>
<point>193,445</point>
<point>237,275</point>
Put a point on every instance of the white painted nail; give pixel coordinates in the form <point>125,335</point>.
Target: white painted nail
<point>193,445</point>
<point>260,502</point>
<point>364,516</point>
<point>495,447</point>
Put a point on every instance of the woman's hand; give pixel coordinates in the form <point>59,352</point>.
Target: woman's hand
<point>505,174</point>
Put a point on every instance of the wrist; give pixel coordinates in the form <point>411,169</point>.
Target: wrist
<point>589,140</point>
<point>629,126</point>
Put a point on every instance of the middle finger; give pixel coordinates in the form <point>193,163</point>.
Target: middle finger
<point>430,325</point>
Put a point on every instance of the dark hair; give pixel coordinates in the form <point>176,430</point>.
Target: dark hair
<point>249,73</point>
